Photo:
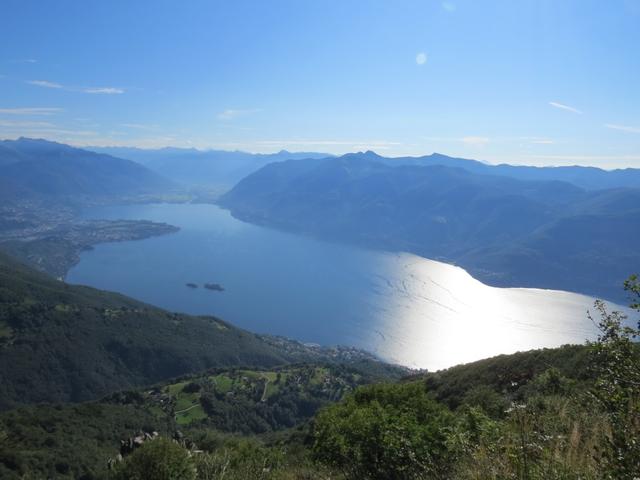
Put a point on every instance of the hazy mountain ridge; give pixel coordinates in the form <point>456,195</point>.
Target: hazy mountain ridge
<point>211,168</point>
<point>589,178</point>
<point>35,168</point>
<point>505,231</point>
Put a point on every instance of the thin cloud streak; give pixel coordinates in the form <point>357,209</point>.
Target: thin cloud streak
<point>567,108</point>
<point>19,124</point>
<point>139,126</point>
<point>623,128</point>
<point>103,90</point>
<point>48,133</point>
<point>30,111</point>
<point>44,83</point>
<point>90,90</point>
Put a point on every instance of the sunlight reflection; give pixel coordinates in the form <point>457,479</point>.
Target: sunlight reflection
<point>437,315</point>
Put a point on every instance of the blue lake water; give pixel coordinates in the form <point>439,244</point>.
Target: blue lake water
<point>405,308</point>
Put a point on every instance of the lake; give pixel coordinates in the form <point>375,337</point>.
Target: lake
<point>406,309</point>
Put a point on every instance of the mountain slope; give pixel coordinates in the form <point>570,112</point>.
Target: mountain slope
<point>62,343</point>
<point>66,343</point>
<point>75,440</point>
<point>590,178</point>
<point>42,168</point>
<point>507,232</point>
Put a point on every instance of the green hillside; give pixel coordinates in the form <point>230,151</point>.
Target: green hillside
<point>68,441</point>
<point>530,415</point>
<point>64,343</point>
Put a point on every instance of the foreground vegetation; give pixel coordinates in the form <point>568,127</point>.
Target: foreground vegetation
<point>566,413</point>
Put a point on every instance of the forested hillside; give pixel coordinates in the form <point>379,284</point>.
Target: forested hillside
<point>505,231</point>
<point>36,169</point>
<point>63,343</point>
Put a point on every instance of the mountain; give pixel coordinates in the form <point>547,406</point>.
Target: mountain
<point>211,168</point>
<point>39,168</point>
<point>589,178</point>
<point>61,343</point>
<point>505,231</point>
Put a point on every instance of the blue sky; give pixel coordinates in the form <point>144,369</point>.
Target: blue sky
<point>545,82</point>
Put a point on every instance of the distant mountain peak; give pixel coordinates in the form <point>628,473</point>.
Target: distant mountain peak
<point>368,155</point>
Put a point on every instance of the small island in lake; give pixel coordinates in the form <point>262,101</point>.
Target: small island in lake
<point>192,285</point>
<point>214,286</point>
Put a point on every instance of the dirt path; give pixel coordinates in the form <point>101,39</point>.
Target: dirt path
<point>264,392</point>
<point>186,409</point>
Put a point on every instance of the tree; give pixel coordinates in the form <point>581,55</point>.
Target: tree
<point>632,285</point>
<point>384,432</point>
<point>616,363</point>
<point>159,459</point>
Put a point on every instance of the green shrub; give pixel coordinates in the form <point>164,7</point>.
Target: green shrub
<point>384,431</point>
<point>159,459</point>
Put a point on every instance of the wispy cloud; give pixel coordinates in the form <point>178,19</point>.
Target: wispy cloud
<point>539,140</point>
<point>23,124</point>
<point>623,128</point>
<point>103,90</point>
<point>562,106</point>
<point>30,111</point>
<point>44,83</point>
<point>55,134</point>
<point>232,113</point>
<point>91,90</point>
<point>139,126</point>
<point>421,58</point>
<point>479,141</point>
<point>475,141</point>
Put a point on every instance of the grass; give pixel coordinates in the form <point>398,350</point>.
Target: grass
<point>223,383</point>
<point>193,414</point>
<point>176,388</point>
<point>186,400</point>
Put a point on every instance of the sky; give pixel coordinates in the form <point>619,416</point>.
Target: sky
<point>537,82</point>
